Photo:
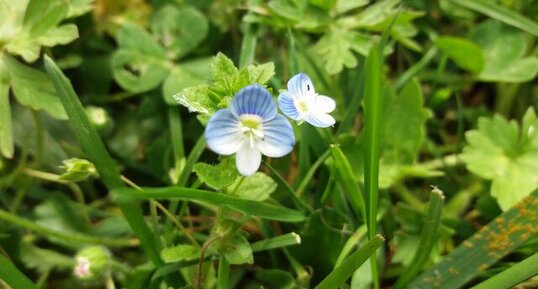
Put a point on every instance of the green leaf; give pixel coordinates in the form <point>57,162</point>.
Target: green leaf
<point>217,177</point>
<point>227,79</point>
<point>344,271</point>
<point>504,63</point>
<point>463,52</point>
<point>512,276</point>
<point>335,51</point>
<point>179,253</point>
<point>79,7</point>
<point>185,75</point>
<point>13,277</point>
<point>487,246</point>
<point>33,88</point>
<point>179,30</point>
<point>95,149</point>
<point>140,64</point>
<point>262,73</point>
<point>6,130</point>
<point>44,260</point>
<point>500,151</point>
<point>497,11</point>
<point>237,250</point>
<point>257,187</point>
<point>261,209</point>
<point>197,99</point>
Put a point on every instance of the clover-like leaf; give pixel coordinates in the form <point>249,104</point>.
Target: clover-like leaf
<point>463,52</point>
<point>505,153</point>
<point>504,63</point>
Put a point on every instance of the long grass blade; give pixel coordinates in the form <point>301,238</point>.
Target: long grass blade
<point>95,149</point>
<point>13,277</point>
<point>492,242</point>
<point>428,238</point>
<point>261,209</point>
<point>343,272</point>
<point>512,276</point>
<point>494,10</point>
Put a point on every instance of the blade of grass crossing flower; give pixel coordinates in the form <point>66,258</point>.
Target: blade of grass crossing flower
<point>428,238</point>
<point>372,114</point>
<point>343,272</point>
<point>13,277</point>
<point>299,203</point>
<point>261,209</point>
<point>248,47</point>
<point>344,176</point>
<point>494,10</point>
<point>95,149</point>
<point>512,276</point>
<point>491,243</point>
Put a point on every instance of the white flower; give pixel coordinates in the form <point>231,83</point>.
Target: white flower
<point>250,128</point>
<point>302,103</point>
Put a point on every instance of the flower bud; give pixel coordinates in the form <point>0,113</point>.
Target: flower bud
<point>92,263</point>
<point>77,170</point>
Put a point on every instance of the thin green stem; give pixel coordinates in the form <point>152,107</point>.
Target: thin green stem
<point>68,236</point>
<point>308,176</point>
<point>248,46</point>
<point>223,275</point>
<point>299,203</point>
<point>416,68</point>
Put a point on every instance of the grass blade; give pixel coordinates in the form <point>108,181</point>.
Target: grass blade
<point>261,209</point>
<point>6,133</point>
<point>344,176</point>
<point>276,242</point>
<point>416,68</point>
<point>492,242</point>
<point>428,238</point>
<point>343,272</point>
<point>493,10</point>
<point>372,115</point>
<point>13,277</point>
<point>512,276</point>
<point>95,149</point>
<point>248,47</point>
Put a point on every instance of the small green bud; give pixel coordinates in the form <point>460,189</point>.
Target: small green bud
<point>77,170</point>
<point>100,119</point>
<point>92,263</point>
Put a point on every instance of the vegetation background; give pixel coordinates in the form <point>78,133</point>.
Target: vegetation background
<point>429,93</point>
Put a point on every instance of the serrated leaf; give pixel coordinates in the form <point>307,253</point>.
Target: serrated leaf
<point>79,7</point>
<point>463,52</point>
<point>184,75</point>
<point>179,253</point>
<point>227,79</point>
<point>217,177</point>
<point>257,187</point>
<point>196,99</point>
<point>334,49</point>
<point>179,30</point>
<point>262,73</point>
<point>33,88</point>
<point>500,151</point>
<point>504,63</point>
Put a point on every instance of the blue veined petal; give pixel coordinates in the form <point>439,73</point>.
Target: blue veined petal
<point>254,99</point>
<point>319,119</point>
<point>287,106</point>
<point>278,137</point>
<point>300,85</point>
<point>222,133</point>
<point>248,158</point>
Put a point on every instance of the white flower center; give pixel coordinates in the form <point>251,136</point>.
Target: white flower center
<point>251,126</point>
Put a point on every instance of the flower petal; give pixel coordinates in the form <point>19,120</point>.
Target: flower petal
<point>324,104</point>
<point>222,133</point>
<point>287,106</point>
<point>300,86</point>
<point>278,137</point>
<point>248,159</point>
<point>254,99</point>
<point>320,119</point>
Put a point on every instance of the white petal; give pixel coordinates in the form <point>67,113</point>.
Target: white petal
<point>320,119</point>
<point>222,133</point>
<point>248,159</point>
<point>324,104</point>
<point>300,86</point>
<point>287,106</point>
<point>278,138</point>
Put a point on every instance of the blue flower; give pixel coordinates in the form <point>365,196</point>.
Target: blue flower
<point>302,103</point>
<point>249,128</point>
